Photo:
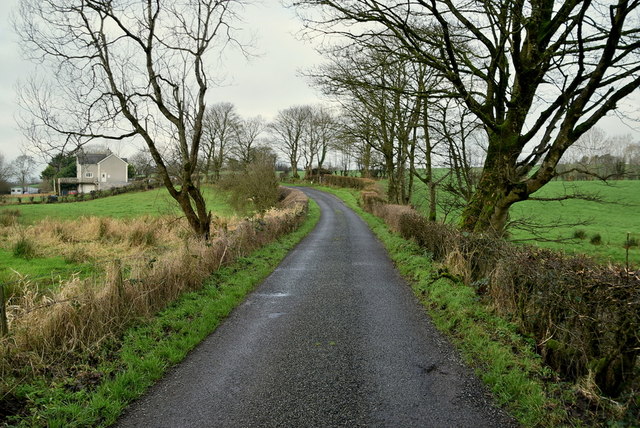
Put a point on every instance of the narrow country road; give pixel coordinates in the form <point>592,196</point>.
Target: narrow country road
<point>334,337</point>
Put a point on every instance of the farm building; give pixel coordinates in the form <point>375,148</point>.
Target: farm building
<point>19,190</point>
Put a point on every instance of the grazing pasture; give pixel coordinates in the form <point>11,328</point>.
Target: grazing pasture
<point>556,224</point>
<point>611,220</point>
<point>153,203</point>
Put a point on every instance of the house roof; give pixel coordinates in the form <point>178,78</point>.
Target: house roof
<point>90,158</point>
<point>95,158</point>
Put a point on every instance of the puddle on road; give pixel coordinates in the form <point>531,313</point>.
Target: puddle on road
<point>274,295</point>
<point>276,314</point>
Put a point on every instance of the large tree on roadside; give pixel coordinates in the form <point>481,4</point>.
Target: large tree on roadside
<point>123,69</point>
<point>537,74</point>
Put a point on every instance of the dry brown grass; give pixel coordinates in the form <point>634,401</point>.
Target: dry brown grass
<point>150,263</point>
<point>342,181</point>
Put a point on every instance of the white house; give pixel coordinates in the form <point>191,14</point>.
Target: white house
<point>98,171</point>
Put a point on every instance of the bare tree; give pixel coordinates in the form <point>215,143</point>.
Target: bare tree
<point>632,158</point>
<point>22,169</point>
<point>5,174</point>
<point>248,133</point>
<point>142,163</point>
<point>132,68</point>
<point>380,89</point>
<point>221,127</point>
<point>536,74</point>
<point>288,130</point>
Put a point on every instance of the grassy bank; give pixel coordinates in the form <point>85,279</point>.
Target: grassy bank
<point>95,393</point>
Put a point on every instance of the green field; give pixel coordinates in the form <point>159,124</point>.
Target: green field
<point>611,219</point>
<point>128,205</point>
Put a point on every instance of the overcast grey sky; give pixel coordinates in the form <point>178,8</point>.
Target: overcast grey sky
<point>263,85</point>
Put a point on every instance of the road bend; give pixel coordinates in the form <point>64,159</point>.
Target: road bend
<point>333,337</point>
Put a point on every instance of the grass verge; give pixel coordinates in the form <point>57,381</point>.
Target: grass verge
<point>504,360</point>
<point>96,397</point>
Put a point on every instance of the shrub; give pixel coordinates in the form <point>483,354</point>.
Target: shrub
<point>579,234</point>
<point>24,248</point>
<point>255,188</point>
<point>596,239</point>
<point>342,181</point>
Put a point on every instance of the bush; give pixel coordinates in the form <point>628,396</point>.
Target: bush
<point>24,248</point>
<point>579,234</point>
<point>255,188</point>
<point>352,182</point>
<point>596,239</point>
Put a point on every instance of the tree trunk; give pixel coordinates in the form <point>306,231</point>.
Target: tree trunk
<point>499,188</point>
<point>189,198</point>
<point>392,189</point>
<point>294,167</point>
<point>366,161</point>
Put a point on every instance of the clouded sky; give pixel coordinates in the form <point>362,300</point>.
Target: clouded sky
<point>262,85</point>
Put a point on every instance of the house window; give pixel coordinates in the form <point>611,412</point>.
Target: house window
<point>88,174</point>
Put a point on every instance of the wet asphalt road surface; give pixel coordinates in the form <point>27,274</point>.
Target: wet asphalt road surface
<point>334,337</point>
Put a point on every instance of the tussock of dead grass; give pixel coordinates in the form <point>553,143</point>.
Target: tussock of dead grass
<point>84,312</point>
<point>342,181</point>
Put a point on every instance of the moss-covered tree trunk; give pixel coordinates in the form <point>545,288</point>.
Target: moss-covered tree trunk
<point>500,186</point>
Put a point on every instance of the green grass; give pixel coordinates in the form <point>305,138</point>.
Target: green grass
<point>127,205</point>
<point>38,267</point>
<point>504,360</point>
<point>612,219</point>
<point>149,349</point>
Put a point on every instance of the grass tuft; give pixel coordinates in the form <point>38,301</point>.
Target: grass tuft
<point>24,248</point>
<point>580,234</point>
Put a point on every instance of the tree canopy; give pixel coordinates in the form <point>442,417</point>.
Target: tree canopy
<point>536,74</point>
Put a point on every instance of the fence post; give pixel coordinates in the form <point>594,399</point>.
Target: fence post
<point>4,327</point>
